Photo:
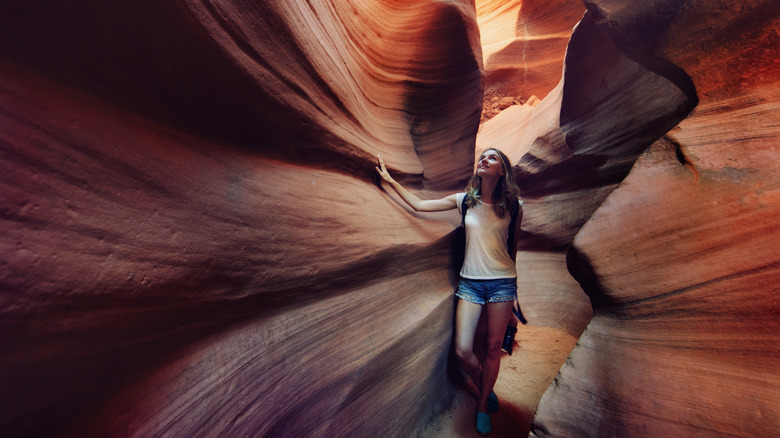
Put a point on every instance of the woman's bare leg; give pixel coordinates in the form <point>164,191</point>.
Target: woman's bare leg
<point>498,315</point>
<point>466,319</point>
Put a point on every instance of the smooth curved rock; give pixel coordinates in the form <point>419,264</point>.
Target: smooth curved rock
<point>548,295</point>
<point>266,74</point>
<point>194,241</point>
<point>570,156</point>
<point>524,43</point>
<point>681,261</point>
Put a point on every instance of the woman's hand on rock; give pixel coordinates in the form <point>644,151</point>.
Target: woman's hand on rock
<point>382,170</point>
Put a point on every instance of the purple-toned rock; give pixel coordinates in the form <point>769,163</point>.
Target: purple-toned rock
<point>681,261</point>
<point>194,243</point>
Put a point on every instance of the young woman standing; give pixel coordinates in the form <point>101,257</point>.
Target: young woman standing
<point>488,277</point>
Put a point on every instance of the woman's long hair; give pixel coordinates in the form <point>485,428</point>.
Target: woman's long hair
<point>506,192</point>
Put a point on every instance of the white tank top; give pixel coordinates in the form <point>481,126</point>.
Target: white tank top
<point>486,257</point>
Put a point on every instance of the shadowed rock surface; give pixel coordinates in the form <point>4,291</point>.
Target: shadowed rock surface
<point>681,261</point>
<point>195,243</point>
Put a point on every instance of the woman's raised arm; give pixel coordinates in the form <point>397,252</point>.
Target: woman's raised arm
<point>447,203</point>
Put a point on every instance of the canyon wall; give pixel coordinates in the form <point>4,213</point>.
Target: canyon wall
<point>681,261</point>
<point>194,240</point>
<point>523,43</point>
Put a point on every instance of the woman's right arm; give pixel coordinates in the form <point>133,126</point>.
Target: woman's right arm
<point>447,203</point>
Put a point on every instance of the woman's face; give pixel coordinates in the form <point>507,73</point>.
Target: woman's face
<point>489,164</point>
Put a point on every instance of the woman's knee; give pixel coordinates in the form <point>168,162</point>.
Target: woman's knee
<point>464,353</point>
<point>493,347</point>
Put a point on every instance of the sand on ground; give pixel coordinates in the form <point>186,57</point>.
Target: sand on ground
<point>538,355</point>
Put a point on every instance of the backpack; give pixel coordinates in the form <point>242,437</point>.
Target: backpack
<point>514,212</point>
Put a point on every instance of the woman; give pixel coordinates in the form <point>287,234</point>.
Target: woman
<point>488,277</point>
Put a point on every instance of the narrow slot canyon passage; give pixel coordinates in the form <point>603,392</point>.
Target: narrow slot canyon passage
<point>196,241</point>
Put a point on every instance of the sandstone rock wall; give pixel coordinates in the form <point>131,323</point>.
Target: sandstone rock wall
<point>570,155</point>
<point>193,240</point>
<point>524,42</point>
<point>681,261</point>
<point>195,244</point>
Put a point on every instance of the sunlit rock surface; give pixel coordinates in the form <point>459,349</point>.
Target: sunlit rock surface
<point>524,42</point>
<point>193,240</point>
<point>681,261</point>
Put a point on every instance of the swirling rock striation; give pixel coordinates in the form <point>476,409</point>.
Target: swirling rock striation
<point>681,261</point>
<point>570,156</point>
<point>193,243</point>
<point>524,43</point>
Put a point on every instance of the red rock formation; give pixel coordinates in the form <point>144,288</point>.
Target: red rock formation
<point>524,43</point>
<point>681,262</point>
<point>193,243</point>
<point>570,157</point>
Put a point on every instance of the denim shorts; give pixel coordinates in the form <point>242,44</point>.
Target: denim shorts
<point>487,291</point>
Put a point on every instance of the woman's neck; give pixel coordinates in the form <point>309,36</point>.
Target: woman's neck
<point>487,188</point>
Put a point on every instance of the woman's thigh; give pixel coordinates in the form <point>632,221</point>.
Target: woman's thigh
<point>498,315</point>
<point>466,318</point>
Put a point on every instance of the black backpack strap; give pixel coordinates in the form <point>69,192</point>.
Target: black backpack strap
<point>514,211</point>
<point>463,207</point>
<point>519,314</point>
